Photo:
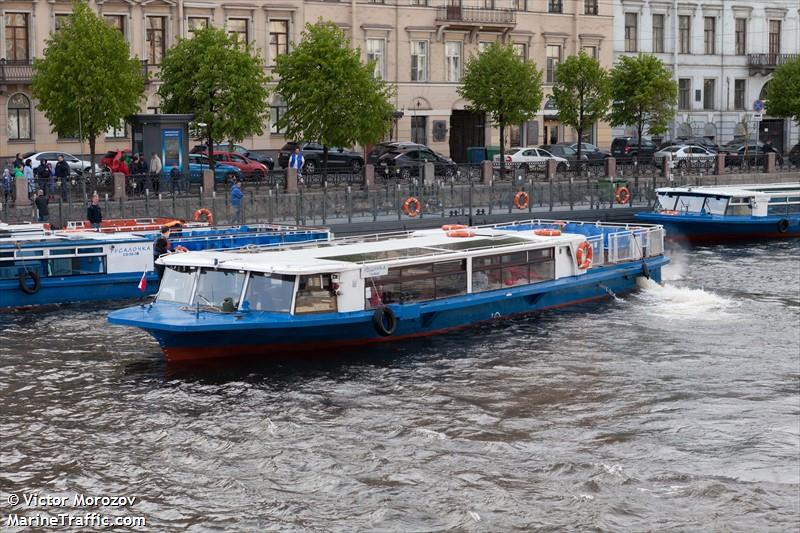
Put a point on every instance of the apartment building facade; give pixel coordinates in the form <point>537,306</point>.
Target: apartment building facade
<point>420,46</point>
<point>722,54</point>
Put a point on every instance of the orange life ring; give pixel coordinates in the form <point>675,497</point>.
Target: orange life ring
<point>174,223</point>
<point>547,232</point>
<point>623,195</point>
<point>668,212</point>
<point>584,255</point>
<point>449,227</point>
<point>203,211</point>
<point>521,200</point>
<point>409,210</point>
<point>181,249</point>
<point>460,233</point>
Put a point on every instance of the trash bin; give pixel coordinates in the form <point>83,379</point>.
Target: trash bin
<point>476,154</point>
<point>492,151</point>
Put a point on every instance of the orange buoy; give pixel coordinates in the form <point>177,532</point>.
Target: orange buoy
<point>521,200</point>
<point>547,232</point>
<point>460,233</point>
<point>181,249</point>
<point>668,212</point>
<point>623,195</point>
<point>449,227</point>
<point>203,212</point>
<point>412,207</point>
<point>584,255</point>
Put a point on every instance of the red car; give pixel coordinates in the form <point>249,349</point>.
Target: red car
<point>111,155</point>
<point>249,168</point>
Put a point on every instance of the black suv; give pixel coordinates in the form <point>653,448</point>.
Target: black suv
<point>338,158</point>
<point>407,161</point>
<point>627,148</point>
<point>395,146</point>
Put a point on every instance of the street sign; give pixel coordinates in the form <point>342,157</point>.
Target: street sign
<point>758,106</point>
<point>757,117</point>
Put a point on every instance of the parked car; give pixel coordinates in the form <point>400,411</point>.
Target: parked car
<point>264,159</point>
<point>313,154</point>
<point>108,158</point>
<point>396,146</point>
<point>627,148</point>
<point>249,168</point>
<point>593,153</point>
<point>76,166</point>
<point>532,157</point>
<point>794,154</point>
<point>407,162</point>
<point>750,154</point>
<point>223,173</point>
<point>565,151</point>
<point>686,157</point>
<point>705,142</point>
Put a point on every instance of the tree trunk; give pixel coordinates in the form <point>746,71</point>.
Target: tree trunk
<point>92,144</point>
<point>502,149</point>
<point>325,163</point>
<point>210,149</point>
<point>580,151</point>
<point>639,147</point>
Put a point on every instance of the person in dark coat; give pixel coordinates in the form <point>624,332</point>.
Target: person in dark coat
<point>62,175</point>
<point>18,163</point>
<point>42,206</point>
<point>94,214</point>
<point>161,247</point>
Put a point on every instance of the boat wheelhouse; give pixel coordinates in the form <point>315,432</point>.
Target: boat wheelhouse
<point>727,213</point>
<point>366,289</point>
<point>43,267</point>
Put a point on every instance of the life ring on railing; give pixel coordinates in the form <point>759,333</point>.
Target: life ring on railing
<point>175,223</point>
<point>460,233</point>
<point>521,200</point>
<point>181,249</point>
<point>584,255</point>
<point>203,211</point>
<point>412,207</point>
<point>668,212</point>
<point>623,195</point>
<point>547,232</point>
<point>783,225</point>
<point>384,321</point>
<point>451,227</point>
<point>23,282</point>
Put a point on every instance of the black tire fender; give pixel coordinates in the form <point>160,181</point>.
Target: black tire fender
<point>384,320</point>
<point>783,225</point>
<point>23,282</point>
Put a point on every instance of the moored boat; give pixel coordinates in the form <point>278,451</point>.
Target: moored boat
<point>711,214</point>
<point>375,288</point>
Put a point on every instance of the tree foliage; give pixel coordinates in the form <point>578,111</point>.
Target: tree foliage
<point>87,81</point>
<point>644,94</point>
<point>582,92</point>
<point>783,91</point>
<point>501,84</point>
<point>221,81</point>
<point>331,96</point>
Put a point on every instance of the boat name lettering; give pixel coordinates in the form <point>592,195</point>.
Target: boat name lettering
<point>130,251</point>
<point>374,270</point>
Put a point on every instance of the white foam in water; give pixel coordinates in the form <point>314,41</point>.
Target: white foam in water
<point>676,269</point>
<point>683,302</point>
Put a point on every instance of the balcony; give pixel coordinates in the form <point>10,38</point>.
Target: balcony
<point>16,70</point>
<point>457,16</point>
<point>765,63</point>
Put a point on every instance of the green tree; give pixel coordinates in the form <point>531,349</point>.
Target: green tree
<point>581,93</point>
<point>644,95</point>
<point>501,84</point>
<point>87,81</point>
<point>221,81</point>
<point>783,91</point>
<point>331,96</point>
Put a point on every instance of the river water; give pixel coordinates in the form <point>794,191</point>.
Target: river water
<point>675,408</point>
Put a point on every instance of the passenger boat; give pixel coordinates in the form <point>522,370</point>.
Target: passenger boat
<point>727,213</point>
<point>367,289</point>
<point>41,267</point>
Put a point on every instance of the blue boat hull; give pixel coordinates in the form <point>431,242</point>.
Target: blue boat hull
<point>702,228</point>
<point>185,335</point>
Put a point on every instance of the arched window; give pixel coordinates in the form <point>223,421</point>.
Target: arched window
<point>19,117</point>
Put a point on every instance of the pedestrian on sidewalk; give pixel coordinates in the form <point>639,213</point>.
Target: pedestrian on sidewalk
<point>155,170</point>
<point>62,175</point>
<point>27,174</point>
<point>296,160</point>
<point>8,185</point>
<point>18,161</point>
<point>94,214</point>
<point>236,202</point>
<point>42,206</point>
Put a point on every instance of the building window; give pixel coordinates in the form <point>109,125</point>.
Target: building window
<point>238,28</point>
<point>555,6</point>
<point>684,94</point>
<point>485,4</point>
<point>120,132</point>
<point>376,53</point>
<point>483,45</point>
<point>419,130</point>
<point>19,118</point>
<point>709,87</point>
<point>453,59</point>
<point>591,51</point>
<point>553,59</point>
<point>631,27</point>
<point>156,39</point>
<point>419,60</point>
<point>774,40</point>
<point>738,94</point>
<point>276,111</point>
<point>197,23</point>
<point>418,2</point>
<point>709,34</point>
<point>658,34</point>
<point>278,38</point>
<point>590,7</point>
<point>684,34</point>
<point>741,37</point>
<point>16,26</point>
<point>521,50</point>
<point>519,5</point>
<point>60,21</point>
<point>116,21</point>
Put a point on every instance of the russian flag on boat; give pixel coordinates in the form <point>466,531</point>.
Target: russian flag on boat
<point>143,282</point>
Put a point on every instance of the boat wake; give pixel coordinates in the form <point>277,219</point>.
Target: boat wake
<point>682,303</point>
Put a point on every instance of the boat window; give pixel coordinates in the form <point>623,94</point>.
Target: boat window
<point>315,294</point>
<point>63,251</point>
<point>98,250</point>
<point>511,270</point>
<point>690,204</point>
<point>176,285</point>
<point>420,283</point>
<point>716,205</point>
<point>270,292</point>
<point>214,287</point>
<point>666,202</point>
<point>739,207</point>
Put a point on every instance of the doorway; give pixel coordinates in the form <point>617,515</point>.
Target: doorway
<point>467,129</point>
<point>772,130</point>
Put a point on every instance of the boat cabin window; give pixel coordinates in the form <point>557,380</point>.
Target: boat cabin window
<point>214,287</point>
<point>783,205</point>
<point>716,205</point>
<point>690,204</point>
<point>270,292</point>
<point>315,294</point>
<point>493,272</point>
<point>740,206</point>
<point>418,283</point>
<point>176,285</point>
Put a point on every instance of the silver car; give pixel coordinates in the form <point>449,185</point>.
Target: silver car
<point>686,156</point>
<point>76,166</point>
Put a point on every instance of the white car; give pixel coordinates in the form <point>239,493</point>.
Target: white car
<point>76,166</point>
<point>532,157</point>
<point>686,156</point>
